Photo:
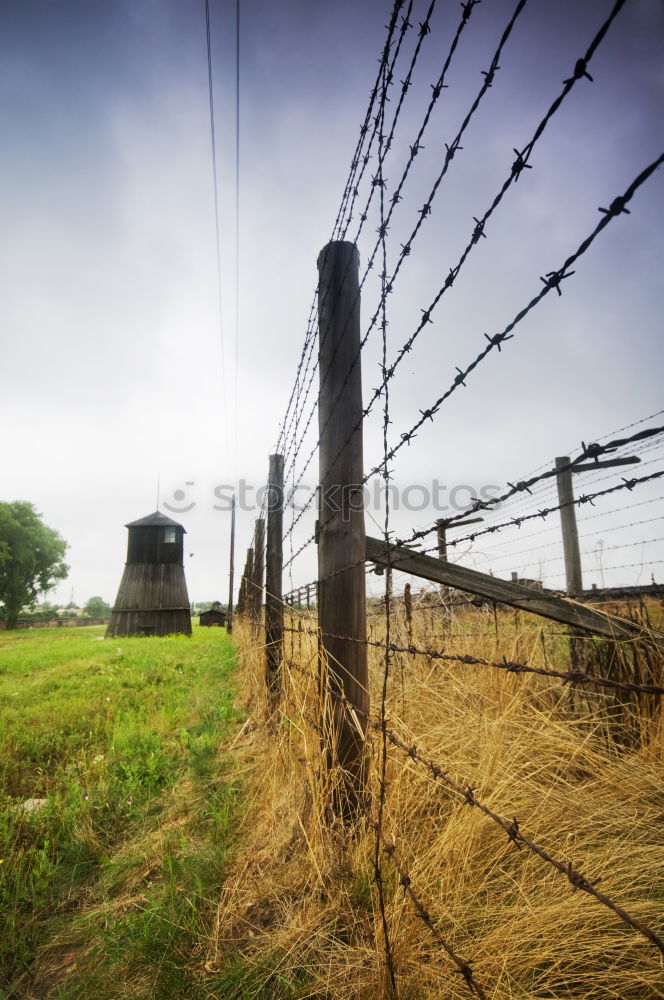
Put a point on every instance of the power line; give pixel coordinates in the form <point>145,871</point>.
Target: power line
<point>216,212</point>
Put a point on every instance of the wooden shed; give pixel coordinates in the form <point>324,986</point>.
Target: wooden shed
<point>152,599</point>
<point>215,616</point>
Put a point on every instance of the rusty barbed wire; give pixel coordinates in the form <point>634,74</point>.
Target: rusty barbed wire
<point>357,156</point>
<point>452,148</point>
<point>468,792</point>
<point>578,501</point>
<point>594,552</point>
<point>396,197</point>
<point>551,281</point>
<point>572,676</point>
<point>586,534</point>
<point>382,765</point>
<point>415,146</point>
<point>384,79</point>
<point>353,181</point>
<point>386,145</point>
<point>626,484</point>
<point>592,451</point>
<point>463,967</point>
<point>585,498</point>
<point>515,836</point>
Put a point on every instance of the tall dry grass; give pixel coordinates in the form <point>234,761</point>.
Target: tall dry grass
<point>300,902</point>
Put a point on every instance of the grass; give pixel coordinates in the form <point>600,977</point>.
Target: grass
<point>584,780</point>
<point>186,847</point>
<point>109,889</point>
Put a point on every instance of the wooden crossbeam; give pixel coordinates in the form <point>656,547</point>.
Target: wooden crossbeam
<point>558,609</point>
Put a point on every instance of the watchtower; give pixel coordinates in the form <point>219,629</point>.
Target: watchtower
<point>152,598</point>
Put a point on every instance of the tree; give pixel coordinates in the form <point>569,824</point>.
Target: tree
<point>97,607</point>
<point>31,558</point>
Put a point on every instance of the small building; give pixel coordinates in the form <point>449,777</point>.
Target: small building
<point>215,616</point>
<point>152,598</point>
<point>525,581</point>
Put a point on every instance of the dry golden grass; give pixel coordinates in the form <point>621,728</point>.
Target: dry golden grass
<point>300,900</point>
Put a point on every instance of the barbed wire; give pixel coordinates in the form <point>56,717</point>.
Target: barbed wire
<point>382,765</point>
<point>463,967</point>
<point>516,836</point>
<point>635,565</point>
<point>590,452</point>
<point>383,81</point>
<point>355,161</point>
<point>353,183</point>
<point>595,552</point>
<point>467,791</point>
<point>551,281</point>
<point>424,213</point>
<point>600,531</point>
<point>385,146</point>
<point>626,484</point>
<point>572,676</point>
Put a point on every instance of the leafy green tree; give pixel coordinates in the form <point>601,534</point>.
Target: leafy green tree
<point>97,607</point>
<point>31,558</point>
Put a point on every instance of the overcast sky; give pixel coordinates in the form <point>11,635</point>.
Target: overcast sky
<point>112,371</point>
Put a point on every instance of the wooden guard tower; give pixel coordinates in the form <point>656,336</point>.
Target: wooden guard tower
<point>152,599</point>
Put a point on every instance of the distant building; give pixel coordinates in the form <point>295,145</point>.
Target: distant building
<point>215,616</point>
<point>152,599</point>
<point>525,581</point>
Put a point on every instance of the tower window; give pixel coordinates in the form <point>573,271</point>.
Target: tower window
<point>170,536</point>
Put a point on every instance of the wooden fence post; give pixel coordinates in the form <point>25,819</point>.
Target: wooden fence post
<point>274,609</point>
<point>571,551</point>
<point>442,538</point>
<point>341,532</point>
<point>256,596</point>
<point>229,619</point>
<point>243,600</point>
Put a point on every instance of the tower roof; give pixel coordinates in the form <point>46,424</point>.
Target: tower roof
<point>157,520</point>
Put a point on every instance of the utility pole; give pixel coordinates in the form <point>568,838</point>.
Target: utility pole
<point>229,619</point>
<point>341,532</point>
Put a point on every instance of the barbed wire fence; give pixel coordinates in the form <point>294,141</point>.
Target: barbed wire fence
<point>331,608</point>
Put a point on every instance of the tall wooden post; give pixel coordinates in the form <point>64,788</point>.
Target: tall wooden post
<point>274,609</point>
<point>229,618</point>
<point>256,597</point>
<point>244,597</point>
<point>341,534</point>
<point>570,534</point>
<point>442,538</point>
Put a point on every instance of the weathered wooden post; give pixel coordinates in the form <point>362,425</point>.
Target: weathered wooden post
<point>274,609</point>
<point>229,619</point>
<point>571,550</point>
<point>341,533</point>
<point>243,600</point>
<point>308,597</point>
<point>441,524</point>
<point>256,595</point>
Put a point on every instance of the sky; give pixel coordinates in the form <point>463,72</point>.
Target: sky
<point>121,388</point>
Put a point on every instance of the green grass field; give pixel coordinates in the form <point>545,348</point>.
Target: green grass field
<point>110,886</point>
